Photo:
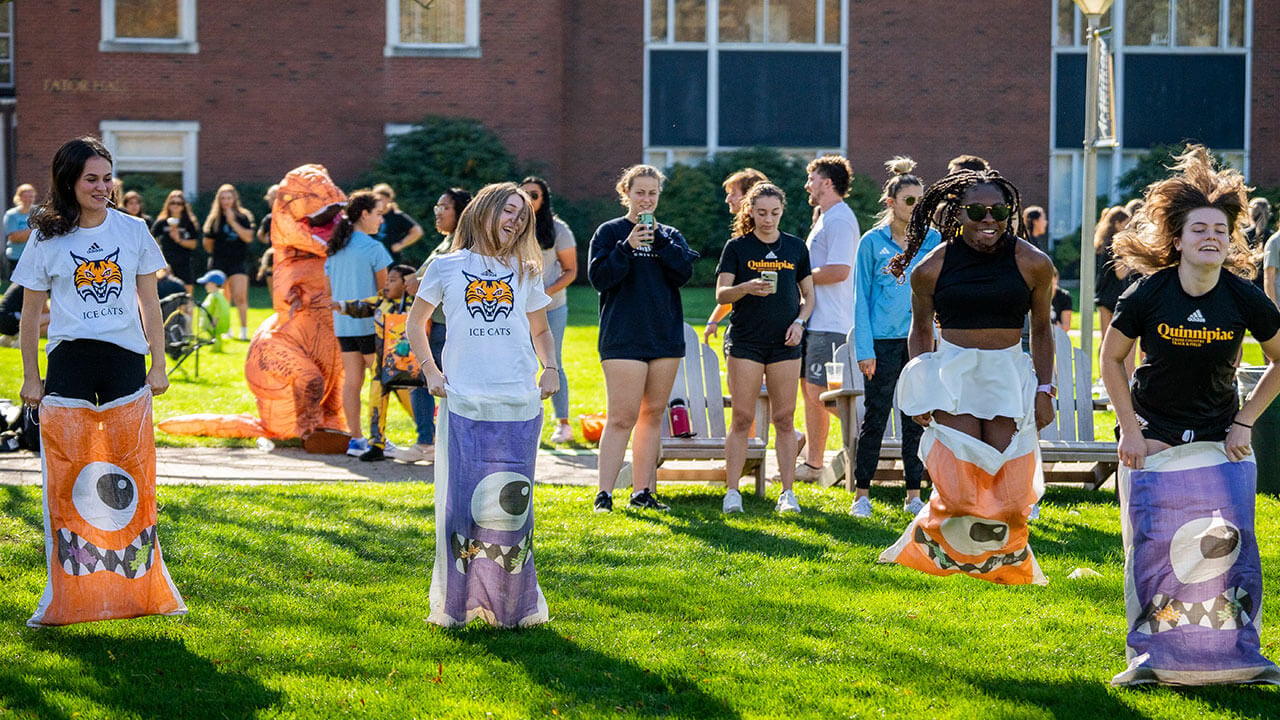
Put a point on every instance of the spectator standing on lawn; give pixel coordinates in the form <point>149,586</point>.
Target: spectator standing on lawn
<point>1256,233</point>
<point>176,230</point>
<point>833,244</point>
<point>735,189</point>
<point>764,276</point>
<point>16,229</point>
<point>1270,262</point>
<point>1061,307</point>
<point>559,268</point>
<point>881,322</point>
<point>1112,276</point>
<point>1036,221</point>
<point>638,268</point>
<point>132,205</point>
<point>357,268</point>
<point>228,230</point>
<point>74,233</point>
<point>398,230</point>
<point>266,264</point>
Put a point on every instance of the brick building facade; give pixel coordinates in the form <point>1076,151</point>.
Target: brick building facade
<point>245,91</point>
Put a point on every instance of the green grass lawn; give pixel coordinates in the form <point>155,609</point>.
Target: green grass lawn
<point>310,601</point>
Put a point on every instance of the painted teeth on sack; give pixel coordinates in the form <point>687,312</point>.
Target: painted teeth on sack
<point>511,558</point>
<point>79,557</point>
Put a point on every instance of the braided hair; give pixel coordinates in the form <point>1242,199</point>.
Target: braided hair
<point>947,193</point>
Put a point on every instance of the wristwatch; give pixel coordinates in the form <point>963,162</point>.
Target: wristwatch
<point>1051,390</point>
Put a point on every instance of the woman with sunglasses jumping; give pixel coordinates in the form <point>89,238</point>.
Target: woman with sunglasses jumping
<point>981,399</point>
<point>881,319</point>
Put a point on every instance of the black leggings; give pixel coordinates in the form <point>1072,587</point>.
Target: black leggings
<point>94,370</point>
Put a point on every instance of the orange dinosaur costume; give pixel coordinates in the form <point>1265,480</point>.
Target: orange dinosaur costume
<point>294,366</point>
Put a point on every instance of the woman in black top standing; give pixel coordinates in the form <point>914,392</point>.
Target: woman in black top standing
<point>228,230</point>
<point>638,268</point>
<point>176,230</point>
<point>764,273</point>
<point>1190,312</point>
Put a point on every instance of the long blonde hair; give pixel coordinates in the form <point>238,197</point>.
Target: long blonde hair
<point>477,229</point>
<point>1147,245</point>
<point>215,210</point>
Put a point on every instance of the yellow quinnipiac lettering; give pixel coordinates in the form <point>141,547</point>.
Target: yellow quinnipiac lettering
<point>1193,337</point>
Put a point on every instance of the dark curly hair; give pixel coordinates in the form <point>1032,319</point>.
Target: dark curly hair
<point>947,193</point>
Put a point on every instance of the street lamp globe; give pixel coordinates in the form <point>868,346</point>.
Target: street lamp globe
<point>1093,7</point>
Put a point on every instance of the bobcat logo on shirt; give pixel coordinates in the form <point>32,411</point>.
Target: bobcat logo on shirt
<point>489,297</point>
<point>98,279</point>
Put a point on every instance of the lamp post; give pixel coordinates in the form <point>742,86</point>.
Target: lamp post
<point>1093,11</point>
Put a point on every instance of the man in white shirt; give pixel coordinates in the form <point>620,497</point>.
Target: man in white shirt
<point>833,244</point>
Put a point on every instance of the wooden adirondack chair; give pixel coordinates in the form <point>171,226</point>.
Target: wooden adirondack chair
<point>698,383</point>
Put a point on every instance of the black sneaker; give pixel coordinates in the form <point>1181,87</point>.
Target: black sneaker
<point>373,454</point>
<point>604,502</point>
<point>645,499</point>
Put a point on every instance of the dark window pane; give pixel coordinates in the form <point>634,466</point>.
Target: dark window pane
<point>1172,98</point>
<point>788,99</point>
<point>1069,117</point>
<point>678,98</point>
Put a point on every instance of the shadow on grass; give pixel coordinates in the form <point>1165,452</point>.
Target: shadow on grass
<point>23,502</point>
<point>140,677</point>
<point>583,676</point>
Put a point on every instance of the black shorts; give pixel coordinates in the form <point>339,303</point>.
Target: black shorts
<point>94,370</point>
<point>363,344</point>
<point>1171,432</point>
<point>228,266</point>
<point>763,354</point>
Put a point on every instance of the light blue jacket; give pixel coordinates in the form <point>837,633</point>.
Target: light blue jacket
<point>882,305</point>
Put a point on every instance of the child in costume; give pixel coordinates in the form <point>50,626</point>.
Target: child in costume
<point>395,367</point>
<point>1193,580</point>
<point>216,304</point>
<point>490,417</point>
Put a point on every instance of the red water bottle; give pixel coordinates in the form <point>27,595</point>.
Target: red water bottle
<point>678,413</point>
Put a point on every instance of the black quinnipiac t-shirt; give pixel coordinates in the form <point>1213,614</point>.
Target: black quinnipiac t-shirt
<point>1191,344</point>
<point>763,321</point>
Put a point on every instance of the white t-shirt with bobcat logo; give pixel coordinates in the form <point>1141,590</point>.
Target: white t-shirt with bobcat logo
<point>487,349</point>
<point>91,275</point>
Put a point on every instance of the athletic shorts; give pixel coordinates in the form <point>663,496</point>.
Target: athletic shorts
<point>363,344</point>
<point>763,354</point>
<point>819,349</point>
<point>1171,432</point>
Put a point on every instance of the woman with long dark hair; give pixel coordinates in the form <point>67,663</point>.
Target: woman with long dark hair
<point>357,269</point>
<point>97,267</point>
<point>559,268</point>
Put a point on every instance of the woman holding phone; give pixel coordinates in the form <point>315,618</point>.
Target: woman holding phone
<point>638,266</point>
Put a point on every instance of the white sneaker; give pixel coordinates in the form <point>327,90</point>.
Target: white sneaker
<point>787,502</point>
<point>562,435</point>
<point>861,507</point>
<point>807,473</point>
<point>732,502</point>
<point>912,506</point>
<point>413,453</point>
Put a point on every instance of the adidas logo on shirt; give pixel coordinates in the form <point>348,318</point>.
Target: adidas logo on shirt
<point>770,256</point>
<point>886,251</point>
<point>94,248</point>
<point>1196,316</point>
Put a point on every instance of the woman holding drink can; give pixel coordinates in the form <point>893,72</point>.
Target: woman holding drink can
<point>764,274</point>
<point>638,266</point>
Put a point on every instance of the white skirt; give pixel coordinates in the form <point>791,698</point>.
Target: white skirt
<point>968,381</point>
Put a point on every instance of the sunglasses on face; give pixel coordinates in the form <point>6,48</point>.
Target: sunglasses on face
<point>909,200</point>
<point>977,212</point>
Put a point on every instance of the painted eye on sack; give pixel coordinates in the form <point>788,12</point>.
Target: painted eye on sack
<point>1204,548</point>
<point>974,535</point>
<point>105,496</point>
<point>501,501</point>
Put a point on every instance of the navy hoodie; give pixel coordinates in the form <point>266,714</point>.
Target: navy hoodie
<point>641,317</point>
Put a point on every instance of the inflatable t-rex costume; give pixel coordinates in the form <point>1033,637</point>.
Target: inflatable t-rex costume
<point>294,366</point>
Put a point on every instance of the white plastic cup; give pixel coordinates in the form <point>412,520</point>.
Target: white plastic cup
<point>835,375</point>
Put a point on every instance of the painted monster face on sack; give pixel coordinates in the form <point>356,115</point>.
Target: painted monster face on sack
<point>500,509</point>
<point>103,531</point>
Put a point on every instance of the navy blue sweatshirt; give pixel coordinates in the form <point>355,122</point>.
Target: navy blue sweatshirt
<point>641,317</point>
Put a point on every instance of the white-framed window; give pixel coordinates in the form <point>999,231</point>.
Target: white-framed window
<point>433,28</point>
<point>726,74</point>
<point>161,147</point>
<point>6,46</point>
<point>1183,71</point>
<point>149,26</point>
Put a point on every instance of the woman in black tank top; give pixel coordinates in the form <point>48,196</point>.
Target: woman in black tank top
<point>980,283</point>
